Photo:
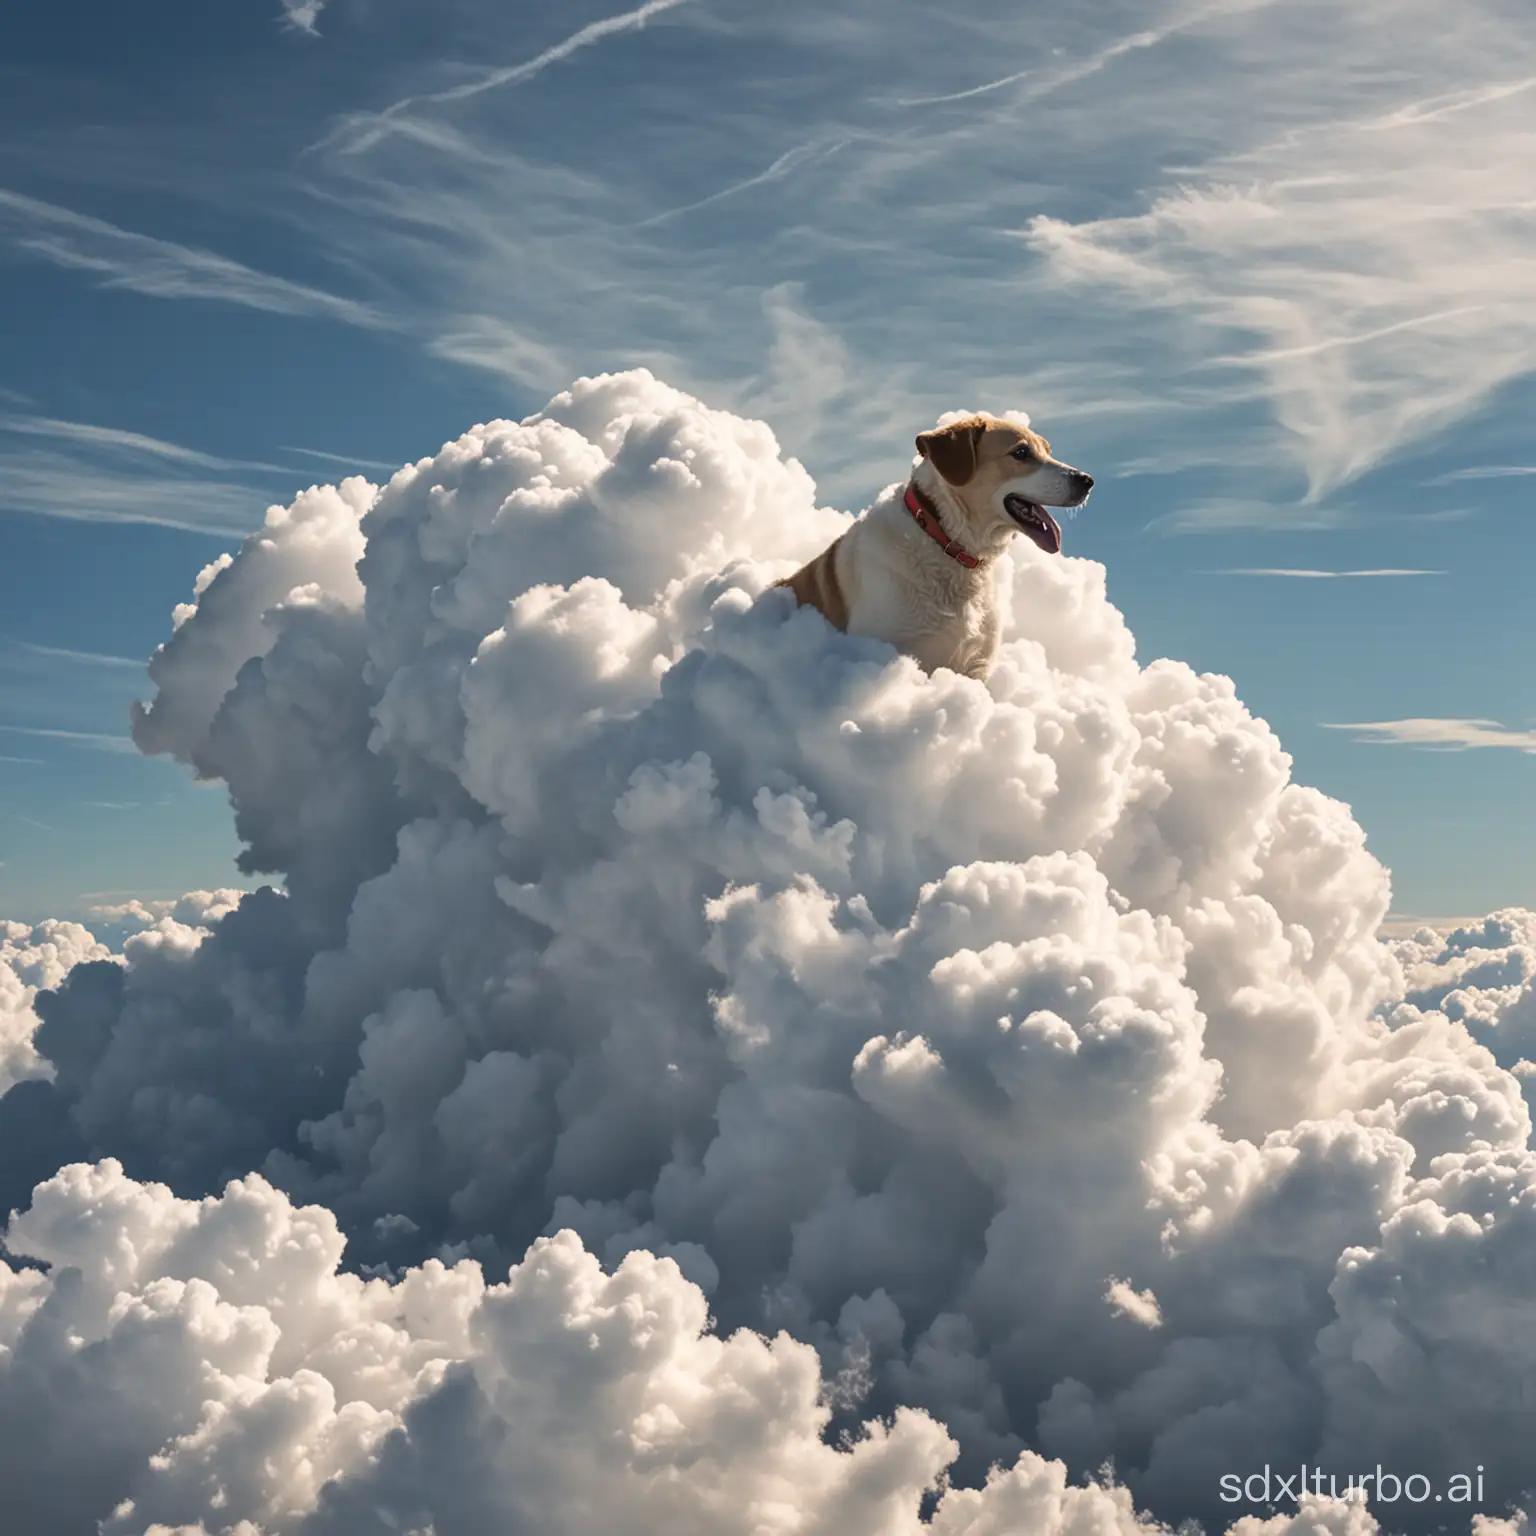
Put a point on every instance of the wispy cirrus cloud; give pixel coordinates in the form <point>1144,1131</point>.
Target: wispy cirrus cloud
<point>1297,234</point>
<point>83,658</point>
<point>791,160</point>
<point>105,474</point>
<point>65,695</point>
<point>1370,262</point>
<point>345,460</point>
<point>1316,575</point>
<point>500,346</point>
<point>56,485</point>
<point>123,258</point>
<point>98,741</point>
<point>1298,179</point>
<point>1403,925</point>
<point>90,435</point>
<point>1442,734</point>
<point>1330,272</point>
<point>1227,515</point>
<point>361,131</point>
<point>572,263</point>
<point>1485,472</point>
<point>1038,81</point>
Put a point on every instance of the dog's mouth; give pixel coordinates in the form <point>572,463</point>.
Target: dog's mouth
<point>1035,521</point>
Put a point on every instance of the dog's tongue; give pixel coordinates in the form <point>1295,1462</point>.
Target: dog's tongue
<point>1046,533</point>
<point>1034,520</point>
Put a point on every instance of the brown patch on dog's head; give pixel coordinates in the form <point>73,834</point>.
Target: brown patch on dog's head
<point>952,450</point>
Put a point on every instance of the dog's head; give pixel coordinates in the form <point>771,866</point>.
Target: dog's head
<point>1001,476</point>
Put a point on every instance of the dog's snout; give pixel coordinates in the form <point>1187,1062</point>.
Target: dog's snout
<point>1085,482</point>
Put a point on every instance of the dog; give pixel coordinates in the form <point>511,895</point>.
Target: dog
<point>918,568</point>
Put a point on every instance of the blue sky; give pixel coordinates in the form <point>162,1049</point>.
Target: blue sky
<point>1267,269</point>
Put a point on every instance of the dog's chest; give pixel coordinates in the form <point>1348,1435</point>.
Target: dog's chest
<point>942,617</point>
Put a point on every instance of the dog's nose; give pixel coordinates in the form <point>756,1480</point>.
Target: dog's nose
<point>1086,481</point>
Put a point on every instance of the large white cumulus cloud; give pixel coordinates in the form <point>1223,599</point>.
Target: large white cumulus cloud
<point>1017,1063</point>
<point>203,1365</point>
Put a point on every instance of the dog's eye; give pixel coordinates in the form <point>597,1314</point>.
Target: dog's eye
<point>1022,453</point>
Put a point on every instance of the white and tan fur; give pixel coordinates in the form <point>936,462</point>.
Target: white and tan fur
<point>887,579</point>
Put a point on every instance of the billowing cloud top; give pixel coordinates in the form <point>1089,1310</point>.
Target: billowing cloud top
<point>748,1076</point>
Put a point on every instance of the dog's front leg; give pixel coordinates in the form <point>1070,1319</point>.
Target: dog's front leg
<point>979,663</point>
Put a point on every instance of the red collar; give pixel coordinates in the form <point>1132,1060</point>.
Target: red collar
<point>927,518</point>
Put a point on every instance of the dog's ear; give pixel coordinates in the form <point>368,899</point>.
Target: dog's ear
<point>952,450</point>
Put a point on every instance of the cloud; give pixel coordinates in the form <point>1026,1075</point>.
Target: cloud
<point>116,923</point>
<point>1044,83</point>
<point>749,1076</point>
<point>1223,514</point>
<point>105,474</point>
<point>193,909</point>
<point>362,131</point>
<point>98,740</point>
<point>596,235</point>
<point>67,697</point>
<point>1447,734</point>
<point>1318,575</point>
<point>81,658</point>
<point>347,461</point>
<point>801,154</point>
<point>1340,304</point>
<point>583,37</point>
<point>91,489</point>
<point>1486,472</point>
<point>234,1381</point>
<point>1403,925</point>
<point>163,269</point>
<point>1139,1306</point>
<point>1363,267</point>
<point>127,444</point>
<point>31,959</point>
<point>302,15</point>
<point>1336,191</point>
<point>1482,973</point>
